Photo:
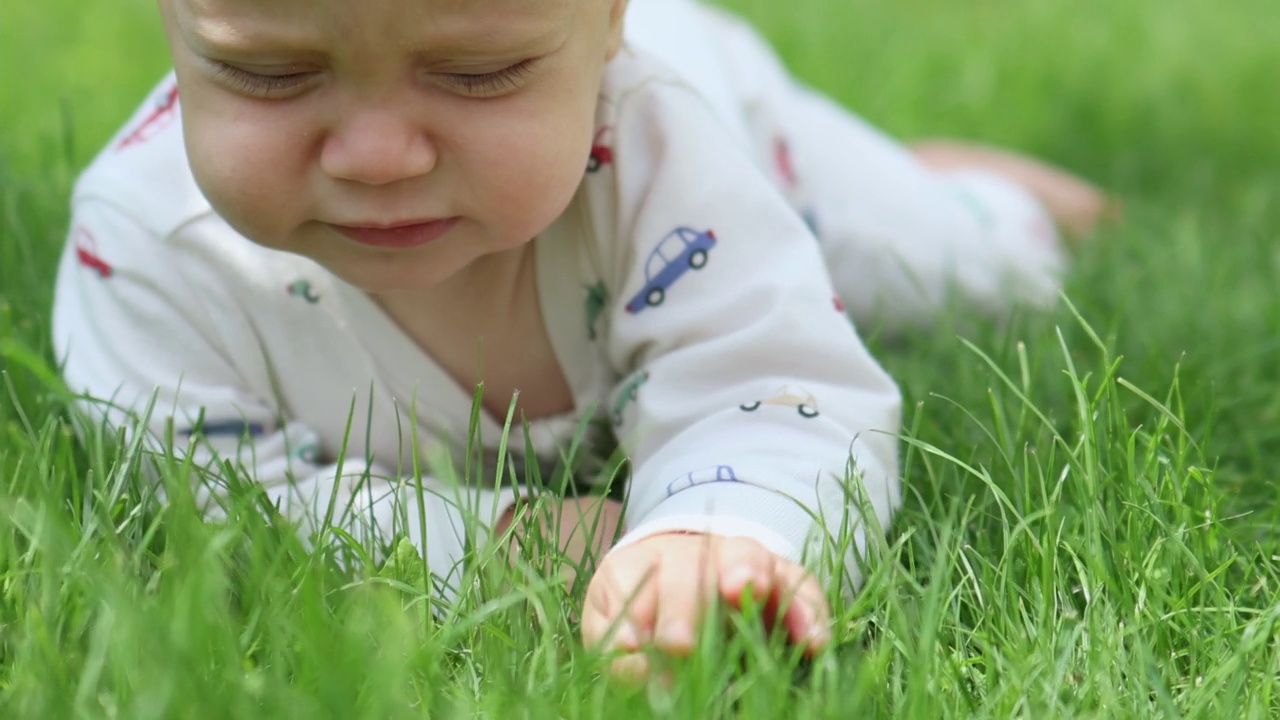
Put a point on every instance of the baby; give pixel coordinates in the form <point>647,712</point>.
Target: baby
<point>339,217</point>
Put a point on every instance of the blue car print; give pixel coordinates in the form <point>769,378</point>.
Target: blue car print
<point>682,249</point>
<point>702,476</point>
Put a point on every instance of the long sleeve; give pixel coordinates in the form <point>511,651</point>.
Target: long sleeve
<point>749,404</point>
<point>141,325</point>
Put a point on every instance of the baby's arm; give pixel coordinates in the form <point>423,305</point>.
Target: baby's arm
<point>137,325</point>
<point>753,401</point>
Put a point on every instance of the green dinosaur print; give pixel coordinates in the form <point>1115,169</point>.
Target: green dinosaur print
<point>302,289</point>
<point>597,298</point>
<point>979,209</point>
<point>628,393</point>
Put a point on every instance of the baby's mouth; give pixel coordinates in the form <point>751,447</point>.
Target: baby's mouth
<point>402,235</point>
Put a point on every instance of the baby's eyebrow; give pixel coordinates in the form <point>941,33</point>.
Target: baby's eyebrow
<point>481,44</point>
<point>498,32</point>
<point>227,33</point>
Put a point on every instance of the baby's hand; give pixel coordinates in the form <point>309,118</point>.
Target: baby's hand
<point>656,593</point>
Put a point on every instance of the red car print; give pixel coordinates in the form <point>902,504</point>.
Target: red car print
<point>165,112</point>
<point>1043,231</point>
<point>784,163</point>
<point>87,252</point>
<point>601,153</point>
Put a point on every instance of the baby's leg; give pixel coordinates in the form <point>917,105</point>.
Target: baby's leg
<point>1075,204</point>
<point>901,238</point>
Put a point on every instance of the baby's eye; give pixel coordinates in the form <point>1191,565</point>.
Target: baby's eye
<point>489,84</point>
<point>260,85</point>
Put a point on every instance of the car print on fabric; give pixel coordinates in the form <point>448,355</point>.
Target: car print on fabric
<point>683,249</point>
<point>810,218</point>
<point>307,452</point>
<point>986,219</point>
<point>165,112</point>
<point>87,253</point>
<point>224,428</point>
<point>804,402</point>
<point>601,152</point>
<point>594,304</point>
<point>1042,229</point>
<point>302,289</point>
<point>702,476</point>
<point>788,180</point>
<point>784,163</point>
<point>628,394</point>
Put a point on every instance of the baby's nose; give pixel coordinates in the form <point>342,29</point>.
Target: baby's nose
<point>377,146</point>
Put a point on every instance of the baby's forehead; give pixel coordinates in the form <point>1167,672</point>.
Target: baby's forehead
<point>478,22</point>
<point>349,7</point>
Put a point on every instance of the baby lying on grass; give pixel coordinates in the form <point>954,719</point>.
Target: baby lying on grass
<point>380,204</point>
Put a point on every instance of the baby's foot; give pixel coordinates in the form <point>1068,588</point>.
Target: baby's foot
<point>1075,204</point>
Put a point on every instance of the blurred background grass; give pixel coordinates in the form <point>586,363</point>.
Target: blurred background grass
<point>70,72</point>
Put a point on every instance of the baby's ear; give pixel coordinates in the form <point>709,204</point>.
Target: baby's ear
<point>617,10</point>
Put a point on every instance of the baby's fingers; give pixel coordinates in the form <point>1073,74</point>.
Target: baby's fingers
<point>803,606</point>
<point>622,601</point>
<point>687,587</point>
<point>745,565</point>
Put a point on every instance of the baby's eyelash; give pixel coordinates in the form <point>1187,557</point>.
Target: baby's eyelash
<point>491,83</point>
<point>479,84</point>
<point>257,84</point>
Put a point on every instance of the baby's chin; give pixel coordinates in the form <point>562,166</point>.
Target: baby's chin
<point>389,281</point>
<point>368,270</point>
<point>400,276</point>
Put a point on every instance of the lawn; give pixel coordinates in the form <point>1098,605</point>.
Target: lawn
<point>1092,512</point>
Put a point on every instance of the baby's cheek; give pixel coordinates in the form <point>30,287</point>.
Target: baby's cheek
<point>529,153</point>
<point>245,176</point>
<point>539,179</point>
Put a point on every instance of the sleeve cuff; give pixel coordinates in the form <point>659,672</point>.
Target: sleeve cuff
<point>776,521</point>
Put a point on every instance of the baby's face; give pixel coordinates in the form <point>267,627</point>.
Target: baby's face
<point>313,126</point>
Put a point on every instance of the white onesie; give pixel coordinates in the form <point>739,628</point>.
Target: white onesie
<point>685,297</point>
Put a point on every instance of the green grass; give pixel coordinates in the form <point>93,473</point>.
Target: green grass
<point>1092,508</point>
